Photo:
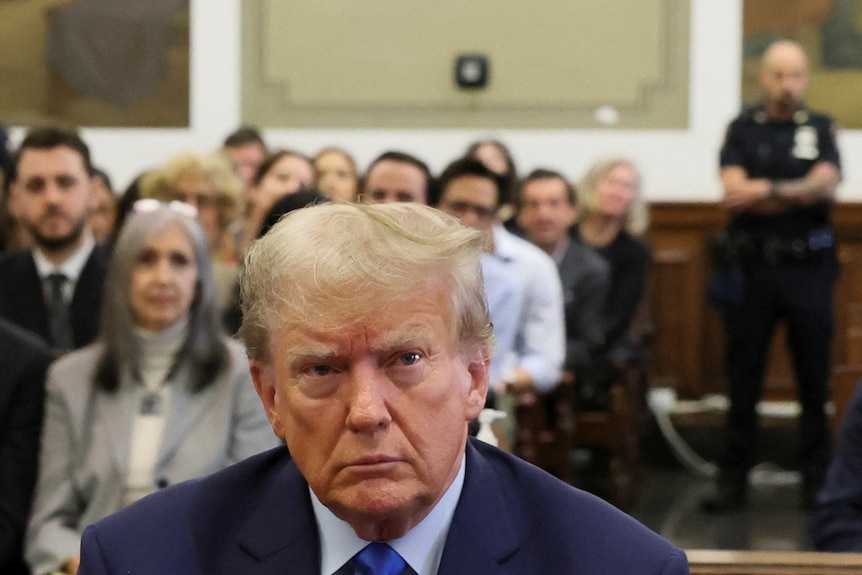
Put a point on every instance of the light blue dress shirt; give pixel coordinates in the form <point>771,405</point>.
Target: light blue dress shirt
<point>505,297</point>
<point>540,340</point>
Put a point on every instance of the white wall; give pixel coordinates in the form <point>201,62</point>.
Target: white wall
<point>678,165</point>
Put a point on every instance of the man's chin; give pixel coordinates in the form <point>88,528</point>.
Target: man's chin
<point>789,105</point>
<point>393,512</point>
<point>56,243</point>
<point>377,496</point>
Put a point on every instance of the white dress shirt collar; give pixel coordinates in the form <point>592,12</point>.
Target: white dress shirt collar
<point>503,243</point>
<point>421,547</point>
<point>71,268</point>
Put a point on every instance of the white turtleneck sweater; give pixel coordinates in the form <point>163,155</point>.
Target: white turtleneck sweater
<point>157,354</point>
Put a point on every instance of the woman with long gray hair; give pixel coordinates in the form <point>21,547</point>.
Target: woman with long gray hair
<point>162,396</point>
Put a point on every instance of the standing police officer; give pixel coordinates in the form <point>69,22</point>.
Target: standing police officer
<point>779,170</point>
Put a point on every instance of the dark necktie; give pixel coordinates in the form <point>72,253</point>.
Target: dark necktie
<point>378,559</point>
<point>58,313</point>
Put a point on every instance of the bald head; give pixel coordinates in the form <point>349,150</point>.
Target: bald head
<point>783,77</point>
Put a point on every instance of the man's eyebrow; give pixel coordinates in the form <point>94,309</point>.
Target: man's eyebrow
<point>417,334</point>
<point>307,352</point>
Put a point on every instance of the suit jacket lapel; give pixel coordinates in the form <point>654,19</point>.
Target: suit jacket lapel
<point>483,531</point>
<point>567,264</point>
<point>87,299</point>
<point>28,297</point>
<point>185,410</point>
<point>110,417</point>
<point>281,535</point>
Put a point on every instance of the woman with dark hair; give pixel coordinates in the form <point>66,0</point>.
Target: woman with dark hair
<point>498,158</point>
<point>336,174</point>
<point>162,396</point>
<point>282,173</point>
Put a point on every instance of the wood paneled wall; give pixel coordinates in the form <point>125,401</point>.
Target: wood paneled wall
<point>688,343</point>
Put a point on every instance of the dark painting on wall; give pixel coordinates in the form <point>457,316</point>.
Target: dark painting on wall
<point>111,63</point>
<point>831,33</point>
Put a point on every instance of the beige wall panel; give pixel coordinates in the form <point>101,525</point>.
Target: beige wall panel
<point>22,37</point>
<point>362,63</point>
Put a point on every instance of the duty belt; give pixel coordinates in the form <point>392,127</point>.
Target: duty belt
<point>781,250</point>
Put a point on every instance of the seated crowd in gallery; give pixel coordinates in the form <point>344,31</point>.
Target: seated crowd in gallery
<point>174,243</point>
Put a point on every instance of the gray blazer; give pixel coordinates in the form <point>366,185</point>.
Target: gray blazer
<point>585,276</point>
<point>85,445</point>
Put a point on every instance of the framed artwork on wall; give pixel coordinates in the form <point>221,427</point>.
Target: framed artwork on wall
<point>451,64</point>
<point>109,63</point>
<point>831,33</point>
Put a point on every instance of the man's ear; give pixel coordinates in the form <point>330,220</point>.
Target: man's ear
<point>263,376</point>
<point>479,361</point>
<point>14,190</point>
<point>574,216</point>
<point>95,182</point>
<point>16,198</point>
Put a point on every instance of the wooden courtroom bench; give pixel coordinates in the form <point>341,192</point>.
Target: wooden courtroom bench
<point>549,427</point>
<point>713,562</point>
<point>615,429</point>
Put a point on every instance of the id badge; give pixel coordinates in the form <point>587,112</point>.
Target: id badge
<point>805,143</point>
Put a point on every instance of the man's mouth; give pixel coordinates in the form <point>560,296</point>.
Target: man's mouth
<point>373,460</point>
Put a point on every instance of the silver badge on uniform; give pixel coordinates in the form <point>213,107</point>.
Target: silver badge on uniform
<point>805,143</point>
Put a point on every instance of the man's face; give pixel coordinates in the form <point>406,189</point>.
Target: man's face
<point>53,196</point>
<point>375,415</point>
<point>391,181</point>
<point>783,78</point>
<point>545,212</point>
<point>471,199</point>
<point>247,158</point>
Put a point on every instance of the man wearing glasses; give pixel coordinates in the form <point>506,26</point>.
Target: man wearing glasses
<point>472,193</point>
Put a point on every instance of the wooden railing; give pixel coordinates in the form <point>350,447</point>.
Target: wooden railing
<point>708,562</point>
<point>687,347</point>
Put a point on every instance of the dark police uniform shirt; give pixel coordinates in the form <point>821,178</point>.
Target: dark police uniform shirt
<point>780,150</point>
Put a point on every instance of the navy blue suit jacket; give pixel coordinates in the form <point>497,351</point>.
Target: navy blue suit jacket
<point>256,518</point>
<point>836,523</point>
<point>22,299</point>
<point>24,359</point>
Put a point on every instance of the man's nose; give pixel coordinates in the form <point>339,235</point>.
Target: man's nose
<point>53,193</point>
<point>368,410</point>
<point>545,211</point>
<point>469,219</point>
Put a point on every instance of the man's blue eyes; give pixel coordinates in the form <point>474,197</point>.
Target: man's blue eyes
<point>406,359</point>
<point>321,370</point>
<point>410,358</point>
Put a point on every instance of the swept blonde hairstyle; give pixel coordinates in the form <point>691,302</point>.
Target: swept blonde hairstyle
<point>329,264</point>
<point>637,217</point>
<point>215,168</point>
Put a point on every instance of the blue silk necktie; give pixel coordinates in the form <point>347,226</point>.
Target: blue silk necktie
<point>379,559</point>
